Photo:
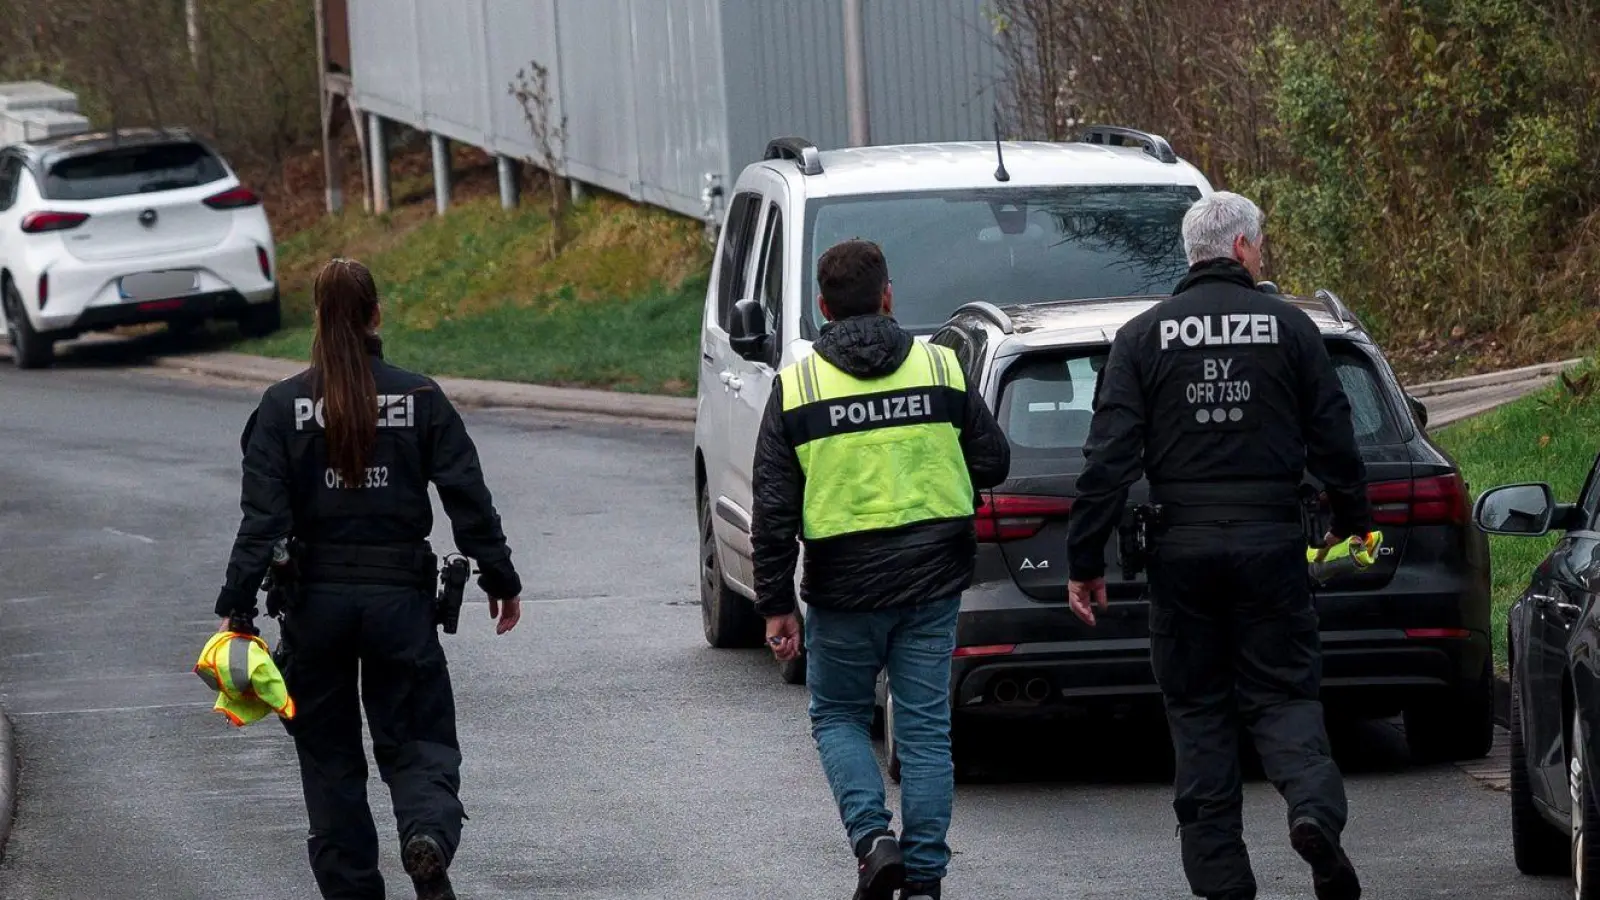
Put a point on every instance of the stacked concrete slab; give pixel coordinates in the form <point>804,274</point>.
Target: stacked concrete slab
<point>34,111</point>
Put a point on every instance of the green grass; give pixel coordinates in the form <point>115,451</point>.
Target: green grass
<point>477,293</point>
<point>1550,436</point>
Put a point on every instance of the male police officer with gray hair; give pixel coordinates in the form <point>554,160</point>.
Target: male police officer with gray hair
<point>1223,396</point>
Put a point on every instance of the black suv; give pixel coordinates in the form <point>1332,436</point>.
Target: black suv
<point>1408,636</point>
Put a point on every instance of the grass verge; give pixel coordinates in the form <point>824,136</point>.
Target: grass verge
<point>478,293</point>
<point>1548,436</point>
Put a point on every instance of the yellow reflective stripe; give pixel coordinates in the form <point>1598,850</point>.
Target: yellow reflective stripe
<point>941,375</point>
<point>239,665</point>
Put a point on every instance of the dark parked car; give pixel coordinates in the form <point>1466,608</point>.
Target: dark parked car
<point>1408,636</point>
<point>1553,637</point>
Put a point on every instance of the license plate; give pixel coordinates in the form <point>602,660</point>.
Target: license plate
<point>158,285</point>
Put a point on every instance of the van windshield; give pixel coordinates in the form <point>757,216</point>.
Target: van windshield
<point>1010,245</point>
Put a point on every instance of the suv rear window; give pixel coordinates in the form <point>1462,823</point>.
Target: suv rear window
<point>1011,245</point>
<point>125,171</point>
<point>1047,400</point>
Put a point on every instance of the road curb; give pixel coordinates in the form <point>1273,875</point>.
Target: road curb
<point>8,781</point>
<point>262,371</point>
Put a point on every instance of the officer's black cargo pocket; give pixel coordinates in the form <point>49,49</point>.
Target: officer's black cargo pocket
<point>1282,657</point>
<point>1166,651</point>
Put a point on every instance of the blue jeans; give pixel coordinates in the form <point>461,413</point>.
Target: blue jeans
<point>845,652</point>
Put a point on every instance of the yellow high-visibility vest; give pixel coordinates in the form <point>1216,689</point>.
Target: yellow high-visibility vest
<point>878,453</point>
<point>240,669</point>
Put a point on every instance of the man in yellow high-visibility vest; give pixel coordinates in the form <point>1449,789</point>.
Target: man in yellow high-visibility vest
<point>870,452</point>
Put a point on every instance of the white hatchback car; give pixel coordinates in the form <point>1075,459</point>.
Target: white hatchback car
<point>104,230</point>
<point>1002,224</point>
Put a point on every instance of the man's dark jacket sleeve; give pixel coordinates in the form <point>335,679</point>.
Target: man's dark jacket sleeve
<point>985,446</point>
<point>1115,459</point>
<point>264,501</point>
<point>1332,454</point>
<point>778,485</point>
<point>456,473</point>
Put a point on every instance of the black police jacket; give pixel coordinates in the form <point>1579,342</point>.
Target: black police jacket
<point>873,570</point>
<point>290,488</point>
<point>1221,387</point>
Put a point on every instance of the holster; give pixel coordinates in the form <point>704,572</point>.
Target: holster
<point>1136,535</point>
<point>452,593</point>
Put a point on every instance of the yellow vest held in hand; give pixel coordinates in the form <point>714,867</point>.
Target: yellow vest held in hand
<point>1344,558</point>
<point>248,684</point>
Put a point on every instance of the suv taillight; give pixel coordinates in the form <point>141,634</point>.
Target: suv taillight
<point>43,220</point>
<point>1013,517</point>
<point>1438,500</point>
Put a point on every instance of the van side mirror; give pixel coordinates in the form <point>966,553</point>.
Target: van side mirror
<point>747,333</point>
<point>1518,509</point>
<point>1418,409</point>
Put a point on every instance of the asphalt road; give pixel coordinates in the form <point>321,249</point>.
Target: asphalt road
<point>610,753</point>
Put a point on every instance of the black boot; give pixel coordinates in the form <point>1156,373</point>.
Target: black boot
<point>920,890</point>
<point>424,862</point>
<point>881,869</point>
<point>1332,875</point>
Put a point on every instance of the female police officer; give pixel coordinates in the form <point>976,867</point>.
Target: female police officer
<point>340,457</point>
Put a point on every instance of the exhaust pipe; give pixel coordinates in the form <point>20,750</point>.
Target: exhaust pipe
<point>1037,690</point>
<point>1006,691</point>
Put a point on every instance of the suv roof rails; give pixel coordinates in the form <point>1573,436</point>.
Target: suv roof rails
<point>1116,136</point>
<point>989,311</point>
<point>1337,309</point>
<point>799,149</point>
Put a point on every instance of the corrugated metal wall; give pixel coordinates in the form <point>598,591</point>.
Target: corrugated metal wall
<point>639,80</point>
<point>932,68</point>
<point>658,93</point>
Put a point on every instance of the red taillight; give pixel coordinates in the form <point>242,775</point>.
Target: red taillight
<point>266,264</point>
<point>1012,517</point>
<point>1439,500</point>
<point>1437,633</point>
<point>42,221</point>
<point>985,650</point>
<point>237,198</point>
<point>44,289</point>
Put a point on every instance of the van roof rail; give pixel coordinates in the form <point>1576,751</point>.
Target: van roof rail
<point>799,149</point>
<point>1117,136</point>
<point>989,311</point>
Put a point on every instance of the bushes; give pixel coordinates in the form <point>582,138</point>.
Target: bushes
<point>251,84</point>
<point>1429,160</point>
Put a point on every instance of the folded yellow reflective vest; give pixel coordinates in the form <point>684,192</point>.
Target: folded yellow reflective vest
<point>1344,558</point>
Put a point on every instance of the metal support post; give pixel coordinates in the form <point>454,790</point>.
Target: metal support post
<point>855,73</point>
<point>441,172</point>
<point>381,199</point>
<point>508,182</point>
<point>577,190</point>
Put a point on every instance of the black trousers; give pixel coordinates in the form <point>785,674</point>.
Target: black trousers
<point>381,638</point>
<point>1235,647</point>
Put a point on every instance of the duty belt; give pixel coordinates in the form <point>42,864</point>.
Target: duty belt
<point>370,564</point>
<point>1217,513</point>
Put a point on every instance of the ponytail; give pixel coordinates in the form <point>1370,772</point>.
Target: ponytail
<point>346,303</point>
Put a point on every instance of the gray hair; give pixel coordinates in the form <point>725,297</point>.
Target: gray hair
<point>1214,221</point>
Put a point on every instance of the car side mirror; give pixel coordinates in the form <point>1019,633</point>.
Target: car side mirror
<point>1268,287</point>
<point>1418,409</point>
<point>747,333</point>
<point>1517,509</point>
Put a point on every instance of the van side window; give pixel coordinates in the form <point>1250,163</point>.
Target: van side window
<point>737,231</point>
<point>769,281</point>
